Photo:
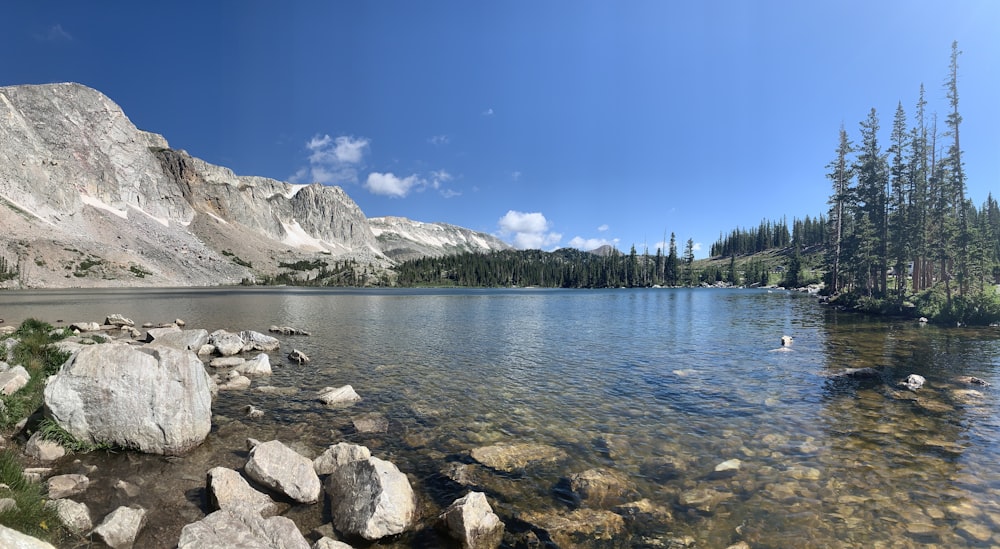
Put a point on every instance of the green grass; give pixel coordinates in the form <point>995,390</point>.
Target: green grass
<point>40,359</point>
<point>31,516</point>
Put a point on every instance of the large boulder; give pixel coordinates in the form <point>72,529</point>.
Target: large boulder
<point>13,539</point>
<point>369,497</point>
<point>284,471</point>
<point>179,339</point>
<point>154,399</point>
<point>241,526</point>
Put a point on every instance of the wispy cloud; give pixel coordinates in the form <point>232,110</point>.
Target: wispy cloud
<point>488,112</point>
<point>515,175</point>
<point>439,140</point>
<point>332,160</point>
<point>588,244</point>
<point>603,228</point>
<point>528,231</point>
<point>55,33</point>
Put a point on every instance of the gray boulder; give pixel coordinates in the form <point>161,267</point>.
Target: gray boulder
<point>260,365</point>
<point>226,343</point>
<point>154,399</point>
<point>12,539</point>
<point>471,520</point>
<point>85,326</point>
<point>185,340</point>
<point>227,488</point>
<point>256,341</point>
<point>336,396</point>
<point>368,497</point>
<point>119,320</point>
<point>120,528</point>
<point>241,526</point>
<point>13,380</point>
<point>283,470</point>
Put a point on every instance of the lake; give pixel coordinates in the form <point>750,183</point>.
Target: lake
<point>658,385</point>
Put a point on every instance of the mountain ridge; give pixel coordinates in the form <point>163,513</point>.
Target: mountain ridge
<point>87,199</point>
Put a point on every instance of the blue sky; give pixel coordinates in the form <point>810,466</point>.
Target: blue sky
<point>548,124</point>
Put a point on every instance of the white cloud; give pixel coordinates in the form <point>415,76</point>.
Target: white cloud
<point>488,112</point>
<point>515,175</point>
<point>448,193</point>
<point>387,184</point>
<point>438,177</point>
<point>528,230</point>
<point>439,140</point>
<point>332,160</point>
<point>603,228</point>
<point>696,247</point>
<point>588,244</point>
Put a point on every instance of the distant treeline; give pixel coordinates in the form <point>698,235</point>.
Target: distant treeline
<point>771,234</point>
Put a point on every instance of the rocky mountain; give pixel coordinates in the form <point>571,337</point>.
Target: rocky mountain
<point>87,199</point>
<point>401,239</point>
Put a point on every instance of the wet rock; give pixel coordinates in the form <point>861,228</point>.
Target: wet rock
<point>126,489</point>
<point>43,450</point>
<point>75,516</point>
<point>913,382</point>
<point>509,457</point>
<point>154,399</point>
<point>645,514</point>
<point>600,488</point>
<point>253,412</point>
<point>13,380</point>
<point>120,528</point>
<point>85,327</point>
<point>975,530</point>
<point>857,373</point>
<point>368,497</point>
<point>298,356</point>
<point>786,340</point>
<point>227,488</point>
<point>64,486</point>
<point>726,469</point>
<point>16,540</point>
<point>337,396</point>
<point>339,455</point>
<point>287,330</point>
<point>273,390</point>
<point>260,365</point>
<point>226,362</point>
<point>226,343</point>
<point>471,520</point>
<point>205,350</point>
<point>739,545</point>
<point>703,499</point>
<point>280,469</point>
<point>179,322</point>
<point>580,528</point>
<point>241,526</point>
<point>972,380</point>
<point>235,381</point>
<point>662,468</point>
<point>371,423</point>
<point>118,320</point>
<point>256,341</point>
<point>614,446</point>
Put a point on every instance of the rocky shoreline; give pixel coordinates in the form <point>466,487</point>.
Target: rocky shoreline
<point>147,393</point>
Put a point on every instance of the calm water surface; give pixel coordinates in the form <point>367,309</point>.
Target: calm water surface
<point>673,381</point>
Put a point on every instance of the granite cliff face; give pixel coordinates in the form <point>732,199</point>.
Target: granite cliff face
<point>402,239</point>
<point>87,199</point>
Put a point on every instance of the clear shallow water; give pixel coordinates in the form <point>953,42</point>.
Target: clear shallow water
<point>689,376</point>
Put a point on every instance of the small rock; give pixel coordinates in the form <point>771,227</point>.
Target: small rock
<point>786,340</point>
<point>226,343</point>
<point>126,489</point>
<point>253,412</point>
<point>226,362</point>
<point>371,423</point>
<point>581,528</point>
<point>972,380</point>
<point>728,467</point>
<point>287,330</point>
<point>260,365</point>
<point>334,396</point>
<point>227,487</point>
<point>256,341</point>
<point>120,528</point>
<point>330,543</point>
<point>298,356</point>
<point>43,450</point>
<point>118,320</point>
<point>236,382</point>
<point>85,327</point>
<point>179,322</point>
<point>913,382</point>
<point>36,474</point>
<point>279,468</point>
<point>13,380</point>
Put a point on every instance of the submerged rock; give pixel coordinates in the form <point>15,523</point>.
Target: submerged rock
<point>913,382</point>
<point>511,457</point>
<point>600,488</point>
<point>64,486</point>
<point>287,330</point>
<point>298,356</point>
<point>580,528</point>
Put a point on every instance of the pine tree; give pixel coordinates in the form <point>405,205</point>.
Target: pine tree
<point>840,175</point>
<point>873,178</point>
